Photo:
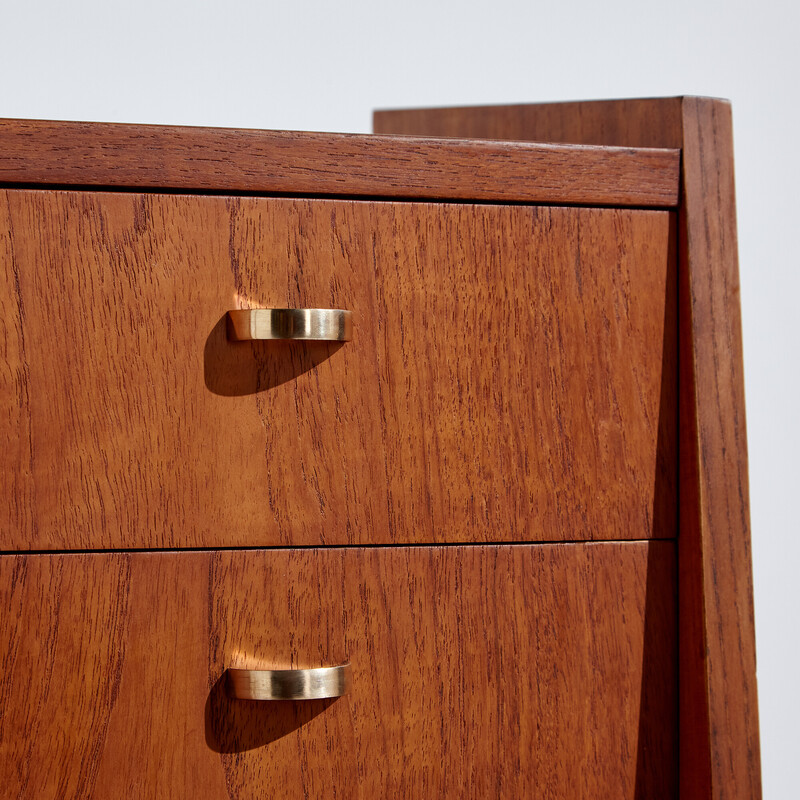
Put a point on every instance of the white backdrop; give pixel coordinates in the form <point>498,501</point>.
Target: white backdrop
<point>324,66</point>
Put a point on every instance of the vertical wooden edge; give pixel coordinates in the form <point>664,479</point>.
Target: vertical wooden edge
<point>719,751</point>
<point>694,746</point>
<point>719,739</point>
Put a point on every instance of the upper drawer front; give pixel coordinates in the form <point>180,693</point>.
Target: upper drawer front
<point>485,672</point>
<point>511,375</point>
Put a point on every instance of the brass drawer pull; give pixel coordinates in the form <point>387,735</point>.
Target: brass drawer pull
<point>305,324</point>
<point>289,684</point>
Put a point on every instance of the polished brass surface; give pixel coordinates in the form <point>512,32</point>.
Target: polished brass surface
<point>289,684</point>
<point>305,324</point>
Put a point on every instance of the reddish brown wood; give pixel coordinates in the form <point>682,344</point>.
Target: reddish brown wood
<point>715,513</point>
<point>511,376</point>
<point>246,161</point>
<point>618,123</point>
<point>477,671</point>
<point>719,710</point>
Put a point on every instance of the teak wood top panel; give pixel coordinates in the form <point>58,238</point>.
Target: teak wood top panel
<point>654,122</point>
<point>511,376</point>
<point>247,161</point>
<point>518,671</point>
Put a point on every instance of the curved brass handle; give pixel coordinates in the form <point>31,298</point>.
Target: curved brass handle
<point>289,684</point>
<point>308,324</point>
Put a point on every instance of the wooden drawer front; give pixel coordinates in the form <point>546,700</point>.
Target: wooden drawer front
<point>503,671</point>
<point>511,376</point>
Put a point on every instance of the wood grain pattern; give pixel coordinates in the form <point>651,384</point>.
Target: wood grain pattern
<point>527,375</point>
<point>715,513</point>
<point>719,709</point>
<point>652,122</point>
<point>511,378</point>
<point>63,641</point>
<point>552,675</point>
<point>246,161</point>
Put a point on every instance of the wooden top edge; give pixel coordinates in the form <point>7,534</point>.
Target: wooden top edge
<point>669,100</point>
<point>112,155</point>
<point>647,122</point>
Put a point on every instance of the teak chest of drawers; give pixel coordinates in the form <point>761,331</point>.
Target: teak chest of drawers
<point>515,501</point>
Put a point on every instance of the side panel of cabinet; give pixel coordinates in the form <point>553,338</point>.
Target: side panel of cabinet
<point>503,671</point>
<point>511,376</point>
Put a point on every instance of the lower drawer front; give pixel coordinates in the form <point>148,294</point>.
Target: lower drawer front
<point>497,671</point>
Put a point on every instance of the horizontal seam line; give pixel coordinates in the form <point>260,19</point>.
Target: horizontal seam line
<point>181,191</point>
<point>277,548</point>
